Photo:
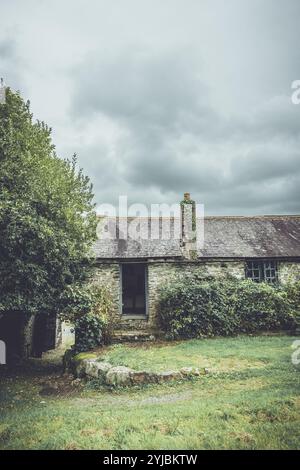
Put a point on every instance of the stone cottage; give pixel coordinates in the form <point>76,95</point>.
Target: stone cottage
<point>262,248</point>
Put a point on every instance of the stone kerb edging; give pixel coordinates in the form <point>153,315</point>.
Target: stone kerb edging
<point>116,376</point>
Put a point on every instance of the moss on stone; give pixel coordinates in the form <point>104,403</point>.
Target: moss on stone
<point>84,355</point>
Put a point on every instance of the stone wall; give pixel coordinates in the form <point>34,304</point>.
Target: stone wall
<point>27,343</point>
<point>159,272</point>
<point>93,367</point>
<point>108,274</point>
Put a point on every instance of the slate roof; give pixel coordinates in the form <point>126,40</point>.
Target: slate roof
<point>224,237</point>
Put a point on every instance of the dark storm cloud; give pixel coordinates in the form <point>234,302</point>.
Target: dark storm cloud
<point>141,86</point>
<point>158,98</point>
<point>176,139</point>
<point>266,165</point>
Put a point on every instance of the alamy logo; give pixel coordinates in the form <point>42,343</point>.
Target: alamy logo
<point>2,352</point>
<point>296,94</point>
<point>157,222</point>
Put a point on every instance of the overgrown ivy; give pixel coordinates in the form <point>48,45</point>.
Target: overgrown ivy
<point>89,309</point>
<point>190,308</point>
<point>185,202</point>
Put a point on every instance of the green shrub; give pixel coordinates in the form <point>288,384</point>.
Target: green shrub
<point>261,307</point>
<point>91,315</point>
<point>89,332</point>
<point>190,308</point>
<point>292,290</point>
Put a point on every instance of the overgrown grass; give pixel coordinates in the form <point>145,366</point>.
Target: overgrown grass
<point>253,403</point>
<point>220,354</point>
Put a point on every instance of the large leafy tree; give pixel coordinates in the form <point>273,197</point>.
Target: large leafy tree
<point>47,217</point>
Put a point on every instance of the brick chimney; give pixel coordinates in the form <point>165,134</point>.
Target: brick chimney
<point>188,227</point>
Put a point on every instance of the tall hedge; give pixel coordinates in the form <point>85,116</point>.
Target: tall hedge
<point>88,307</point>
<point>292,290</point>
<point>190,308</point>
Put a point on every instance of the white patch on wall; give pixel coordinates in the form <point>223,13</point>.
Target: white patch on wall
<point>67,334</point>
<point>2,352</point>
<point>296,354</point>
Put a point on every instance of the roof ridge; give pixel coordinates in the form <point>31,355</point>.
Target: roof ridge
<point>266,216</point>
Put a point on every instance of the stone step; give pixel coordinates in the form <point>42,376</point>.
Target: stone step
<point>131,324</point>
<point>133,335</point>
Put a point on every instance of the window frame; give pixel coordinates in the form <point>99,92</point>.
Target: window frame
<point>262,270</point>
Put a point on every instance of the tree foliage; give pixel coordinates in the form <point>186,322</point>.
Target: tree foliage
<point>88,307</point>
<point>47,217</point>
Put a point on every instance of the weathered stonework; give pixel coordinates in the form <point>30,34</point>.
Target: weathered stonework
<point>189,244</point>
<point>28,336</point>
<point>159,273</point>
<point>121,376</point>
<point>108,275</point>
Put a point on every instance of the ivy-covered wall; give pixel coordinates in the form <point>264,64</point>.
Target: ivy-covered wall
<point>158,273</point>
<point>161,272</point>
<point>108,274</point>
<point>288,271</point>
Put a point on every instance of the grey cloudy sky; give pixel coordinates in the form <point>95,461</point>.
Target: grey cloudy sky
<point>162,97</point>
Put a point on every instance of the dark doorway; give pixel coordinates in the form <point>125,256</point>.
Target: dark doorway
<point>134,289</point>
<point>44,330</point>
<point>11,332</point>
<point>39,335</point>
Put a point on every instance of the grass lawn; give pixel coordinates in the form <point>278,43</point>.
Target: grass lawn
<point>251,403</point>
